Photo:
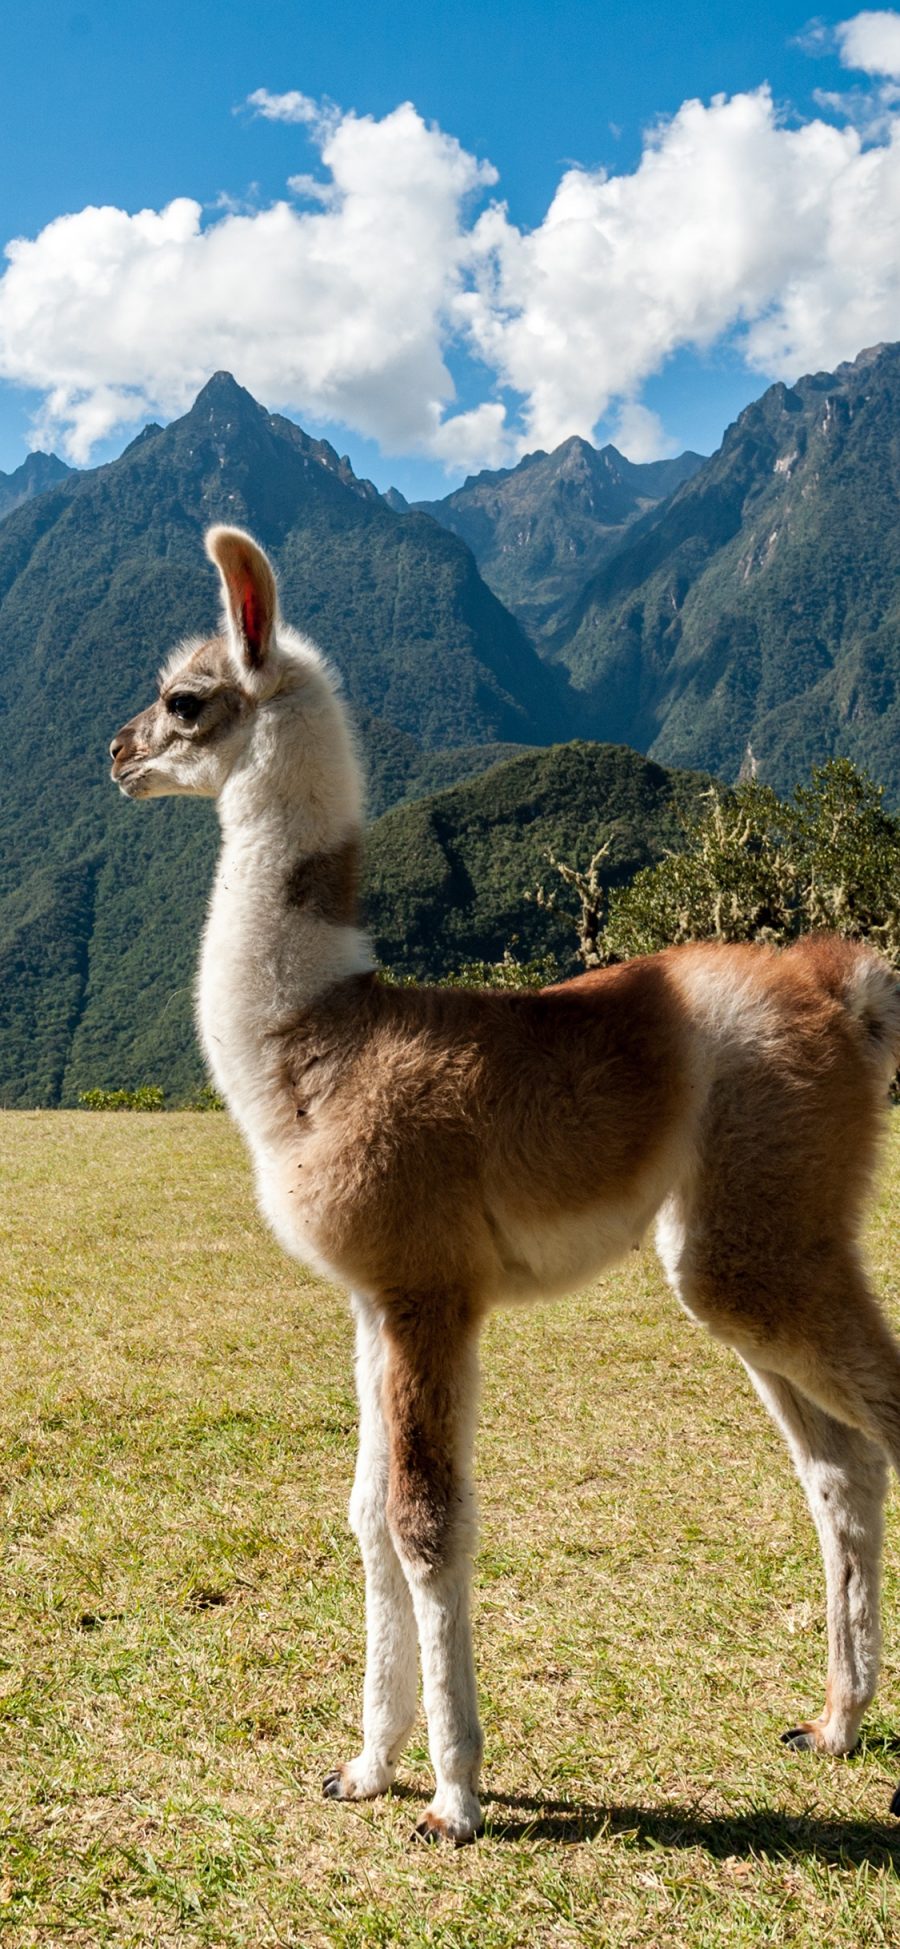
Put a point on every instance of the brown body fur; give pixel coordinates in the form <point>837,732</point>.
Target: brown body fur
<point>453,1105</point>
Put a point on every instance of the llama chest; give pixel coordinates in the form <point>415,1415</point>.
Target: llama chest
<point>301,1220</point>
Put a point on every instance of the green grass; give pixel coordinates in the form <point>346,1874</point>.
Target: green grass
<point>181,1628</point>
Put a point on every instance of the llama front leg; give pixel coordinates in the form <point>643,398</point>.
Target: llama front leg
<point>389,1693</point>
<point>431,1388</point>
<point>845,1479</point>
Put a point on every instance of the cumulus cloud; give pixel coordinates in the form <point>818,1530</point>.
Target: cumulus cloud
<point>871,42</point>
<point>640,434</point>
<point>338,311</point>
<point>731,221</point>
<point>344,300</point>
<point>292,107</point>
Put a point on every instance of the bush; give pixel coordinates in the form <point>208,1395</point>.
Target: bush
<point>507,973</point>
<point>206,1098</point>
<point>757,868</point>
<point>148,1097</point>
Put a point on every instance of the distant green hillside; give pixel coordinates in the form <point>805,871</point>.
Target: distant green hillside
<point>448,878</point>
<point>763,605</point>
<point>398,770</point>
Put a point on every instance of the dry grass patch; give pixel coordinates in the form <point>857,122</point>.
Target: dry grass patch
<point>181,1629</point>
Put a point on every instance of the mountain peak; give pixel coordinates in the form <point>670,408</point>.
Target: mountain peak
<point>223,394</point>
<point>576,443</point>
<point>540,531</point>
<point>37,472</point>
<point>38,465</point>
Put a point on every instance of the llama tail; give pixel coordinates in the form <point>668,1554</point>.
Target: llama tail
<point>866,986</point>
<point>872,997</point>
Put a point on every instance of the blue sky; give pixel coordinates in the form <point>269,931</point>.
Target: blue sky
<point>729,241</point>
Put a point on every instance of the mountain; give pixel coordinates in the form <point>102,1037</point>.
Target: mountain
<point>762,606</point>
<point>36,474</point>
<point>99,575</point>
<point>449,878</point>
<point>398,770</point>
<point>541,530</point>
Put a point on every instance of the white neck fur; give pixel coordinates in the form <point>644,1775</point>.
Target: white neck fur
<point>296,794</point>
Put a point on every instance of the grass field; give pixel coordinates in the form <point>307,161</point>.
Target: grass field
<point>181,1624</point>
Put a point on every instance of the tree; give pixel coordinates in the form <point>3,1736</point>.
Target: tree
<point>758,868</point>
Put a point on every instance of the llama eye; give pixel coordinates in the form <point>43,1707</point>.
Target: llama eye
<point>185,705</point>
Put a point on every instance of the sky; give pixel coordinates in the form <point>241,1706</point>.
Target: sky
<point>442,235</point>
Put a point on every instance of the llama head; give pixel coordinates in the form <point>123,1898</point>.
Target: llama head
<point>211,691</point>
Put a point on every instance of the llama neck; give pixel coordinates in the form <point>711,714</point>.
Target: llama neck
<point>282,926</point>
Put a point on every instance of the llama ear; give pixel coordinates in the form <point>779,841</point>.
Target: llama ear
<point>251,599</point>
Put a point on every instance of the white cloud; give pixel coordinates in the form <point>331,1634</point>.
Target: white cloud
<point>339,312</point>
<point>872,111</point>
<point>815,39</point>
<point>871,42</point>
<point>472,440</point>
<point>726,217</point>
<point>783,239</point>
<point>640,434</point>
<point>312,190</point>
<point>292,107</point>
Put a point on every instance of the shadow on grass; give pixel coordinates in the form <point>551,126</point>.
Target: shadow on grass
<point>766,1832</point>
<point>879,1745</point>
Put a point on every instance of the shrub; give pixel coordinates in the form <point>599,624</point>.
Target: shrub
<point>756,868</point>
<point>206,1098</point>
<point>148,1097</point>
<point>506,973</point>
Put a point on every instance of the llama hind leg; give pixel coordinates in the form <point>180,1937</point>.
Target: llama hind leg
<point>430,1397</point>
<point>389,1694</point>
<point>851,1367</point>
<point>844,1476</point>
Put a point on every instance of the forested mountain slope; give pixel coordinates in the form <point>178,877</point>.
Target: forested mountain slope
<point>541,530</point>
<point>763,605</point>
<point>97,965</point>
<point>450,878</point>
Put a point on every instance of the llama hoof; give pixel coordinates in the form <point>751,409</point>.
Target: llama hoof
<point>359,1779</point>
<point>430,1828</point>
<point>800,1739</point>
<point>895,1804</point>
<point>433,1827</point>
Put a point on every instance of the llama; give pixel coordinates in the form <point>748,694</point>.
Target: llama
<point>437,1151</point>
